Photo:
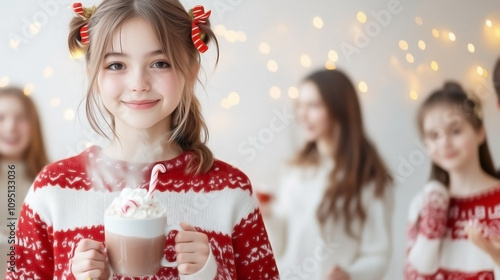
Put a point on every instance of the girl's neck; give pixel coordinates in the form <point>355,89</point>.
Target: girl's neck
<point>470,180</point>
<point>142,145</point>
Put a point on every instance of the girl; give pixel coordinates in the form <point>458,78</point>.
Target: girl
<point>462,198</point>
<point>335,201</point>
<point>142,60</point>
<point>21,151</point>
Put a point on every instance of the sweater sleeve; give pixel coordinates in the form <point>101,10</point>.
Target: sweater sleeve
<point>254,258</point>
<point>375,247</point>
<point>428,218</point>
<point>33,248</point>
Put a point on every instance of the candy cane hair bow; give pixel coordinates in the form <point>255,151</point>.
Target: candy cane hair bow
<point>85,14</point>
<point>198,16</point>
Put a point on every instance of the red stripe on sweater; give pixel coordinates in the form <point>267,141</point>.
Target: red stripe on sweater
<point>412,274</point>
<point>91,170</point>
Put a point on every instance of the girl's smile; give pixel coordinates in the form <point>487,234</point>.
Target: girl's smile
<point>141,104</point>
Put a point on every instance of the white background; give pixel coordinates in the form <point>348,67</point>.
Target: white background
<point>38,58</point>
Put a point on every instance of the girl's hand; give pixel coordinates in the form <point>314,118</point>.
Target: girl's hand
<point>90,261</point>
<point>337,273</point>
<point>192,249</point>
<point>485,241</point>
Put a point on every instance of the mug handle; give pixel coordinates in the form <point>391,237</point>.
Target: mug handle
<point>168,229</point>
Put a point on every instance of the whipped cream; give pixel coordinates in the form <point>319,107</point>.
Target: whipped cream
<point>135,203</point>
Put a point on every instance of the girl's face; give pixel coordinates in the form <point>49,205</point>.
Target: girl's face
<point>451,140</point>
<point>15,128</point>
<point>312,113</point>
<point>136,81</point>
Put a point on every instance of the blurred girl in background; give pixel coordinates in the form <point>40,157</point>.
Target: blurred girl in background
<point>461,203</point>
<point>335,202</point>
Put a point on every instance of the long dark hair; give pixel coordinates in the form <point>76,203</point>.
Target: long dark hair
<point>357,162</point>
<point>453,96</point>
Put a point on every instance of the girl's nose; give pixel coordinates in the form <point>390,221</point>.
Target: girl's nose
<point>140,82</point>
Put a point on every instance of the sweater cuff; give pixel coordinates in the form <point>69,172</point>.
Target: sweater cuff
<point>208,271</point>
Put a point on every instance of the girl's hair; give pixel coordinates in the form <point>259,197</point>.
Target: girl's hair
<point>454,97</point>
<point>357,163</point>
<point>35,156</point>
<point>172,26</point>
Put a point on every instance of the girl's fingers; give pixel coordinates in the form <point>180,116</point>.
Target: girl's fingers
<point>89,244</point>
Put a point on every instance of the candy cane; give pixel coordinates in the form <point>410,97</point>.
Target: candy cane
<point>154,177</point>
<point>128,204</point>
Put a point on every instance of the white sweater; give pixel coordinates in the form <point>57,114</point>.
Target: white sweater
<point>295,233</point>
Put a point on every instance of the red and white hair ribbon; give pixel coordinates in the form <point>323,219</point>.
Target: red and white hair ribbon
<point>85,14</point>
<point>199,17</point>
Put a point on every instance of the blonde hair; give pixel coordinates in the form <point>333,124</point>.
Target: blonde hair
<point>172,26</point>
<point>35,156</point>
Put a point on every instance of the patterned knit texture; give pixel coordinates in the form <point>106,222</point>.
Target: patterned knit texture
<point>69,197</point>
<point>457,257</point>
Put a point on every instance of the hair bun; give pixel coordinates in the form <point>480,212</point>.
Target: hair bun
<point>453,87</point>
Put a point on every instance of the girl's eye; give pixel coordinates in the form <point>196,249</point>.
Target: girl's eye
<point>433,136</point>
<point>160,64</point>
<point>115,66</point>
<point>455,131</point>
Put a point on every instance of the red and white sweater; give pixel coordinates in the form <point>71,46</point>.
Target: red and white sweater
<point>438,247</point>
<point>68,199</point>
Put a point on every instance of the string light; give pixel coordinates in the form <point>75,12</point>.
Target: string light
<point>233,98</point>
<point>231,36</point>
<point>28,89</point>
<point>434,66</point>
<point>418,20</point>
<point>76,55</point>
<point>305,60</point>
<point>452,36</point>
<point>489,23</point>
<point>330,65</point>
<point>480,71</point>
<point>264,48</point>
<point>55,101</point>
<point>435,33</point>
<point>69,114</point>
<point>275,92</point>
<point>4,81</point>
<point>363,87</point>
<point>293,92</point>
<point>421,44</point>
<point>403,45</point>
<point>413,95</point>
<point>13,43</point>
<point>34,28</point>
<point>225,103</point>
<point>220,29</point>
<point>272,65</point>
<point>318,22</point>
<point>48,72</point>
<point>410,58</point>
<point>471,48</point>
<point>241,36</point>
<point>333,55</point>
<point>361,17</point>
